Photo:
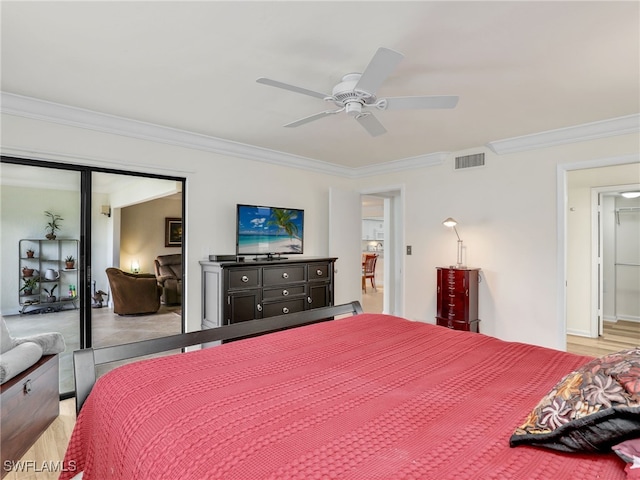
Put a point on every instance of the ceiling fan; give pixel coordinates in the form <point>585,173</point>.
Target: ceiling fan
<point>356,94</point>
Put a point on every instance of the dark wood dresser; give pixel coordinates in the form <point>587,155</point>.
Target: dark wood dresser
<point>239,291</point>
<point>457,298</point>
<point>30,402</point>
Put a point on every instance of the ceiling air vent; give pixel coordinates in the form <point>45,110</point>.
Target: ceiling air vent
<point>470,161</point>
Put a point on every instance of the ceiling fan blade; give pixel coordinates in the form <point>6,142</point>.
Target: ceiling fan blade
<point>311,118</point>
<point>432,101</point>
<point>371,124</point>
<point>380,67</point>
<point>293,88</point>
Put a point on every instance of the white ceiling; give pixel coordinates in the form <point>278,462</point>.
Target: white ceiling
<point>518,67</point>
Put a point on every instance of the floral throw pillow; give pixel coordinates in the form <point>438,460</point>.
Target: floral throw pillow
<point>590,409</point>
<point>629,451</point>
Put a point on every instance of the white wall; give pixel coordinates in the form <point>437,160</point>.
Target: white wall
<point>23,217</point>
<point>507,214</point>
<point>102,242</point>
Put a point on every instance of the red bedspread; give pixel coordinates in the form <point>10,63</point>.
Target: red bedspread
<point>367,397</point>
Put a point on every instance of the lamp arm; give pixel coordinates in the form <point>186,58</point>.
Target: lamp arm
<point>455,230</point>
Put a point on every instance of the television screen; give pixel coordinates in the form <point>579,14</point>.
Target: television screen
<point>269,230</point>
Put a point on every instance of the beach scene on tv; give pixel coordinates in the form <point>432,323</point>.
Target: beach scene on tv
<point>267,230</point>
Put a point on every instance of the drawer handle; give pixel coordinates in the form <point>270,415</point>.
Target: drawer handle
<point>259,307</point>
<point>27,387</point>
<point>285,293</point>
<point>285,275</point>
<point>244,279</point>
<point>285,310</point>
<point>309,300</point>
<point>319,272</point>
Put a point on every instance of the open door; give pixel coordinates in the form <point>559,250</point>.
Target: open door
<point>345,231</point>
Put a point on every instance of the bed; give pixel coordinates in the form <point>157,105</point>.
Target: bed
<point>363,396</point>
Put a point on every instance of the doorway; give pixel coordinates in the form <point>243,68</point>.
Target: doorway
<point>382,229</point>
<point>581,269</point>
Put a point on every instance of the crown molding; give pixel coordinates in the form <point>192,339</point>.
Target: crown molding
<point>579,133</point>
<point>29,107</point>
<point>419,161</point>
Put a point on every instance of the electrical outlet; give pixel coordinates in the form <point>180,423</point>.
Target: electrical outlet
<point>408,249</point>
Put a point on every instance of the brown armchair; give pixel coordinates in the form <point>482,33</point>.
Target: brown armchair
<point>169,275</point>
<point>134,294</point>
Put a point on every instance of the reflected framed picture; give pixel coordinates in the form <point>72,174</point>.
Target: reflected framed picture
<point>172,232</point>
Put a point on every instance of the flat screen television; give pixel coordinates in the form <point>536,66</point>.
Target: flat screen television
<point>269,231</point>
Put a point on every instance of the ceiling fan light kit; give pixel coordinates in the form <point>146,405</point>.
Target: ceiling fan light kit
<point>356,93</point>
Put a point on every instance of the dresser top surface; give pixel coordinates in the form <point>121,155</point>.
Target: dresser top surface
<point>261,261</point>
<point>453,267</point>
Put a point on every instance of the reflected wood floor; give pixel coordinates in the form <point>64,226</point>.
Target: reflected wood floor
<point>616,336</point>
<point>51,446</point>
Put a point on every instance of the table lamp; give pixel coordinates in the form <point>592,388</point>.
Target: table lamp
<point>451,223</point>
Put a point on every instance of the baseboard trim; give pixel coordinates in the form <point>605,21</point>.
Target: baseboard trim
<point>579,333</point>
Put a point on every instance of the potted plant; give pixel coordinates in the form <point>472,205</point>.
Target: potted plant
<point>52,225</point>
<point>30,253</point>
<point>50,296</point>
<point>27,272</point>
<point>69,262</point>
<point>29,284</point>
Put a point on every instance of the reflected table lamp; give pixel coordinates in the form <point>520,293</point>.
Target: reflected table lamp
<point>135,266</point>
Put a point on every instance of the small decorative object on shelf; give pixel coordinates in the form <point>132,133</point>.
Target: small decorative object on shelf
<point>50,294</point>
<point>52,225</point>
<point>69,262</point>
<point>27,272</point>
<point>30,284</point>
<point>30,253</point>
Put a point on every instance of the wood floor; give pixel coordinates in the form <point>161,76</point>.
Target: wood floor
<point>616,336</point>
<point>50,448</point>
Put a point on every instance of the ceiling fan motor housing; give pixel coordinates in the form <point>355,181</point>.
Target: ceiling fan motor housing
<point>346,95</point>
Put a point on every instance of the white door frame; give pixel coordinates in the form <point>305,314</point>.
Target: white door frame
<point>561,228</point>
<point>394,267</point>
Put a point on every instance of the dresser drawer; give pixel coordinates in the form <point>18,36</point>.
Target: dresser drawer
<point>455,279</point>
<point>287,291</point>
<point>318,271</point>
<point>244,278</point>
<point>282,275</point>
<point>280,308</point>
<point>456,325</point>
